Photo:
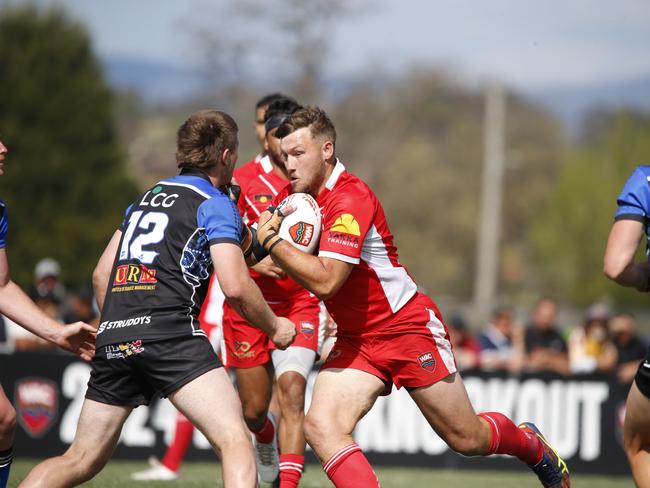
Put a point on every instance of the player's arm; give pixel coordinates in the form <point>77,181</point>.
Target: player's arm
<point>322,276</point>
<point>102,272</point>
<point>15,304</point>
<point>619,264</point>
<point>244,295</point>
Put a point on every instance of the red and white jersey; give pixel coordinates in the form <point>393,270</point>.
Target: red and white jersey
<point>355,231</point>
<point>260,184</point>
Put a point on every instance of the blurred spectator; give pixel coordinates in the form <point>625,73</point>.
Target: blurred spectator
<point>590,349</point>
<point>47,281</point>
<point>502,342</point>
<point>79,306</point>
<point>629,346</point>
<point>546,349</point>
<point>21,339</point>
<point>467,349</point>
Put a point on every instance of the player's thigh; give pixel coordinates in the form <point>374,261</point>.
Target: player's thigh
<point>342,396</point>
<point>636,428</point>
<point>446,406</point>
<point>212,405</point>
<point>98,431</point>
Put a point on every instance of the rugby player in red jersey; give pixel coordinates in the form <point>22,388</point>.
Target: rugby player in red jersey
<point>15,304</point>
<point>388,332</point>
<point>250,353</point>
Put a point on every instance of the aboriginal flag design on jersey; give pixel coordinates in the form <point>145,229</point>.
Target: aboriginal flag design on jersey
<point>162,268</point>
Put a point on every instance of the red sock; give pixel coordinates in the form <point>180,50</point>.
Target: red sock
<point>180,443</point>
<point>349,468</point>
<point>291,466</point>
<point>507,438</point>
<point>265,433</point>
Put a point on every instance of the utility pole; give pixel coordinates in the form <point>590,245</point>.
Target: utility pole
<point>489,228</point>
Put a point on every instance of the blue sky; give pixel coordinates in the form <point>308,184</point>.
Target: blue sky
<point>528,43</point>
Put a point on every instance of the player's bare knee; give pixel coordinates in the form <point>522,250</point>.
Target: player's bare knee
<point>315,429</point>
<point>292,398</point>
<point>7,421</point>
<point>465,444</point>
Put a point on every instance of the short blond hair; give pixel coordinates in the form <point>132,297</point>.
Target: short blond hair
<point>320,125</point>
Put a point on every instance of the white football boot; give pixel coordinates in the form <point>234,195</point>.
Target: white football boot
<point>156,472</point>
<point>267,456</point>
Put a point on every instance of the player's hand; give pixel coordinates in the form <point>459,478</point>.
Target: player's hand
<point>268,225</point>
<point>284,333</point>
<point>78,338</point>
<point>266,267</point>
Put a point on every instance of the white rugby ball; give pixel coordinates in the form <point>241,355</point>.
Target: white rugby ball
<point>301,228</point>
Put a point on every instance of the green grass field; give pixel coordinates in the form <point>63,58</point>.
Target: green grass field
<point>196,475</point>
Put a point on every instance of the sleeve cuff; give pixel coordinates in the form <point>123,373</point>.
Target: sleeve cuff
<point>340,257</point>
<point>637,217</point>
<point>222,240</point>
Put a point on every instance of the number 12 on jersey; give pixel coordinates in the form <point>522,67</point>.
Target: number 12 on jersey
<point>153,224</point>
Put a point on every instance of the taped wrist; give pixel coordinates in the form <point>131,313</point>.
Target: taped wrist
<point>256,249</point>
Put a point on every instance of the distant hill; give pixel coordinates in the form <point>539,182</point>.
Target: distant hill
<point>168,83</point>
<point>155,82</point>
<point>571,104</point>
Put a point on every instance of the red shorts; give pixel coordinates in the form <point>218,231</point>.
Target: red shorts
<point>248,346</point>
<point>413,354</point>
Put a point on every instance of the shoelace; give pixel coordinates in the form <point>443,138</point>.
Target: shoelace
<point>265,452</point>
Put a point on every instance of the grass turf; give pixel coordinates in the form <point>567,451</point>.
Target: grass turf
<point>196,475</point>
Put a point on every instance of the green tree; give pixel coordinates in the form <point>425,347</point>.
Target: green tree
<point>570,235</point>
<point>64,183</point>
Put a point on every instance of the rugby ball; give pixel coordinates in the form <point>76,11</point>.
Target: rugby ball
<point>301,228</point>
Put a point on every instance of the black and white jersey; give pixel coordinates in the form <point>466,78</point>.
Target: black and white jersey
<point>162,268</point>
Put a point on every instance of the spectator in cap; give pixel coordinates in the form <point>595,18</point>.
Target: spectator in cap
<point>47,280</point>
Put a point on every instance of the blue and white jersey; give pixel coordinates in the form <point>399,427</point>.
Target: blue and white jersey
<point>634,200</point>
<point>162,268</point>
<point>4,224</point>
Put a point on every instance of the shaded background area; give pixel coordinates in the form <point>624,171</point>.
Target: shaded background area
<point>92,93</point>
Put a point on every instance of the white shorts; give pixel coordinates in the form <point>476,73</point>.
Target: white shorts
<point>294,358</point>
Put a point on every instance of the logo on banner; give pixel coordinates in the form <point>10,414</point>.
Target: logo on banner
<point>427,361</point>
<point>307,329</point>
<point>37,403</point>
<point>301,233</point>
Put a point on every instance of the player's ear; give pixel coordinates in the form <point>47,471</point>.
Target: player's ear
<point>327,149</point>
<point>227,155</point>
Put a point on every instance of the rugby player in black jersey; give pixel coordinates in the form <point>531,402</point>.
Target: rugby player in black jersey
<point>152,278</point>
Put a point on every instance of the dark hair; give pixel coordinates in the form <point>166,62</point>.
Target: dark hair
<point>313,117</point>
<point>279,111</point>
<point>285,105</point>
<point>267,100</point>
<point>202,138</point>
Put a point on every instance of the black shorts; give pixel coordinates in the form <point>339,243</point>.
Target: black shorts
<point>642,378</point>
<point>131,373</point>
